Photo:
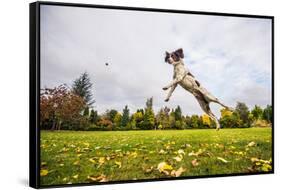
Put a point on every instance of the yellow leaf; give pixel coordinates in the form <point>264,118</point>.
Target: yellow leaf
<point>75,176</point>
<point>101,160</point>
<point>118,164</point>
<point>76,163</point>
<point>86,144</point>
<point>164,166</point>
<point>255,159</point>
<point>134,154</point>
<point>43,172</point>
<point>92,160</point>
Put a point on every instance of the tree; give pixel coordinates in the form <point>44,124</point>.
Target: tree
<point>243,111</point>
<point>206,120</point>
<point>187,121</point>
<point>111,114</point>
<point>178,114</point>
<point>162,118</point>
<point>105,123</point>
<point>82,87</point>
<point>94,117</point>
<point>60,106</point>
<point>230,121</point>
<point>267,114</point>
<point>125,117</point>
<point>86,112</point>
<point>149,103</point>
<point>194,121</point>
<point>257,112</point>
<point>148,118</point>
<point>117,120</point>
<point>138,118</point>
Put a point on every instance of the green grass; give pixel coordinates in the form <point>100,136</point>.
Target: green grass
<point>132,155</point>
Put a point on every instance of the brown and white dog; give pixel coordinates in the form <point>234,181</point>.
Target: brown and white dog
<point>185,79</point>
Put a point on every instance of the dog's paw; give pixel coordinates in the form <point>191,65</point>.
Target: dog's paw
<point>166,100</point>
<point>165,88</point>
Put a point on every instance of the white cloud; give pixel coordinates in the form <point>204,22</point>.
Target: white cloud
<point>230,56</point>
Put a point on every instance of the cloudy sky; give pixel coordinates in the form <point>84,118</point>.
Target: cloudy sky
<point>230,56</point>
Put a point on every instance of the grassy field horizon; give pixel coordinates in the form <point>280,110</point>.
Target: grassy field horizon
<point>69,157</point>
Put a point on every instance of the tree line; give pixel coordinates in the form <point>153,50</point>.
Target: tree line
<point>71,108</point>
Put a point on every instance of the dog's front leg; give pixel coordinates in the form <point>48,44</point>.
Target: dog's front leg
<point>174,82</point>
<point>171,92</point>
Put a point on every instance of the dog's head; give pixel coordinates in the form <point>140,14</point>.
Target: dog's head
<point>174,57</point>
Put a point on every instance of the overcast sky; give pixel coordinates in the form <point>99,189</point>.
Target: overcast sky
<point>230,56</point>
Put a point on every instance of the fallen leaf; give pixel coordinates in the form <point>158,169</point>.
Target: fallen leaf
<point>163,166</point>
<point>222,159</point>
<point>92,160</point>
<point>118,164</point>
<point>86,144</point>
<point>44,172</point>
<point>101,178</point>
<point>251,144</point>
<point>76,163</point>
<point>178,158</point>
<point>75,176</point>
<point>198,153</point>
<point>181,151</point>
<point>134,154</point>
<point>177,173</point>
<point>195,162</point>
<point>101,160</point>
<point>148,170</point>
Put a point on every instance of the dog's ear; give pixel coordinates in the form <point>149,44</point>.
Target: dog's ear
<point>179,52</point>
<point>167,56</point>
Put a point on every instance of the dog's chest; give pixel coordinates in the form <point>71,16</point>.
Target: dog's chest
<point>179,71</point>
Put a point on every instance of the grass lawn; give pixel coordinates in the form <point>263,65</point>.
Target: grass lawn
<point>90,157</point>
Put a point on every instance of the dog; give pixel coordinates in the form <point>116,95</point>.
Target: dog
<point>185,79</point>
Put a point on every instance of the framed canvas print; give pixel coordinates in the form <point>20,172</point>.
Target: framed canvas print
<point>126,94</point>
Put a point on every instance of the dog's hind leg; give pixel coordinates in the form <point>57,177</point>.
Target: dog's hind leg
<point>215,119</point>
<point>226,107</point>
<point>206,108</point>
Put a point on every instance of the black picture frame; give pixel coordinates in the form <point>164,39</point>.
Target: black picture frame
<point>34,88</point>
